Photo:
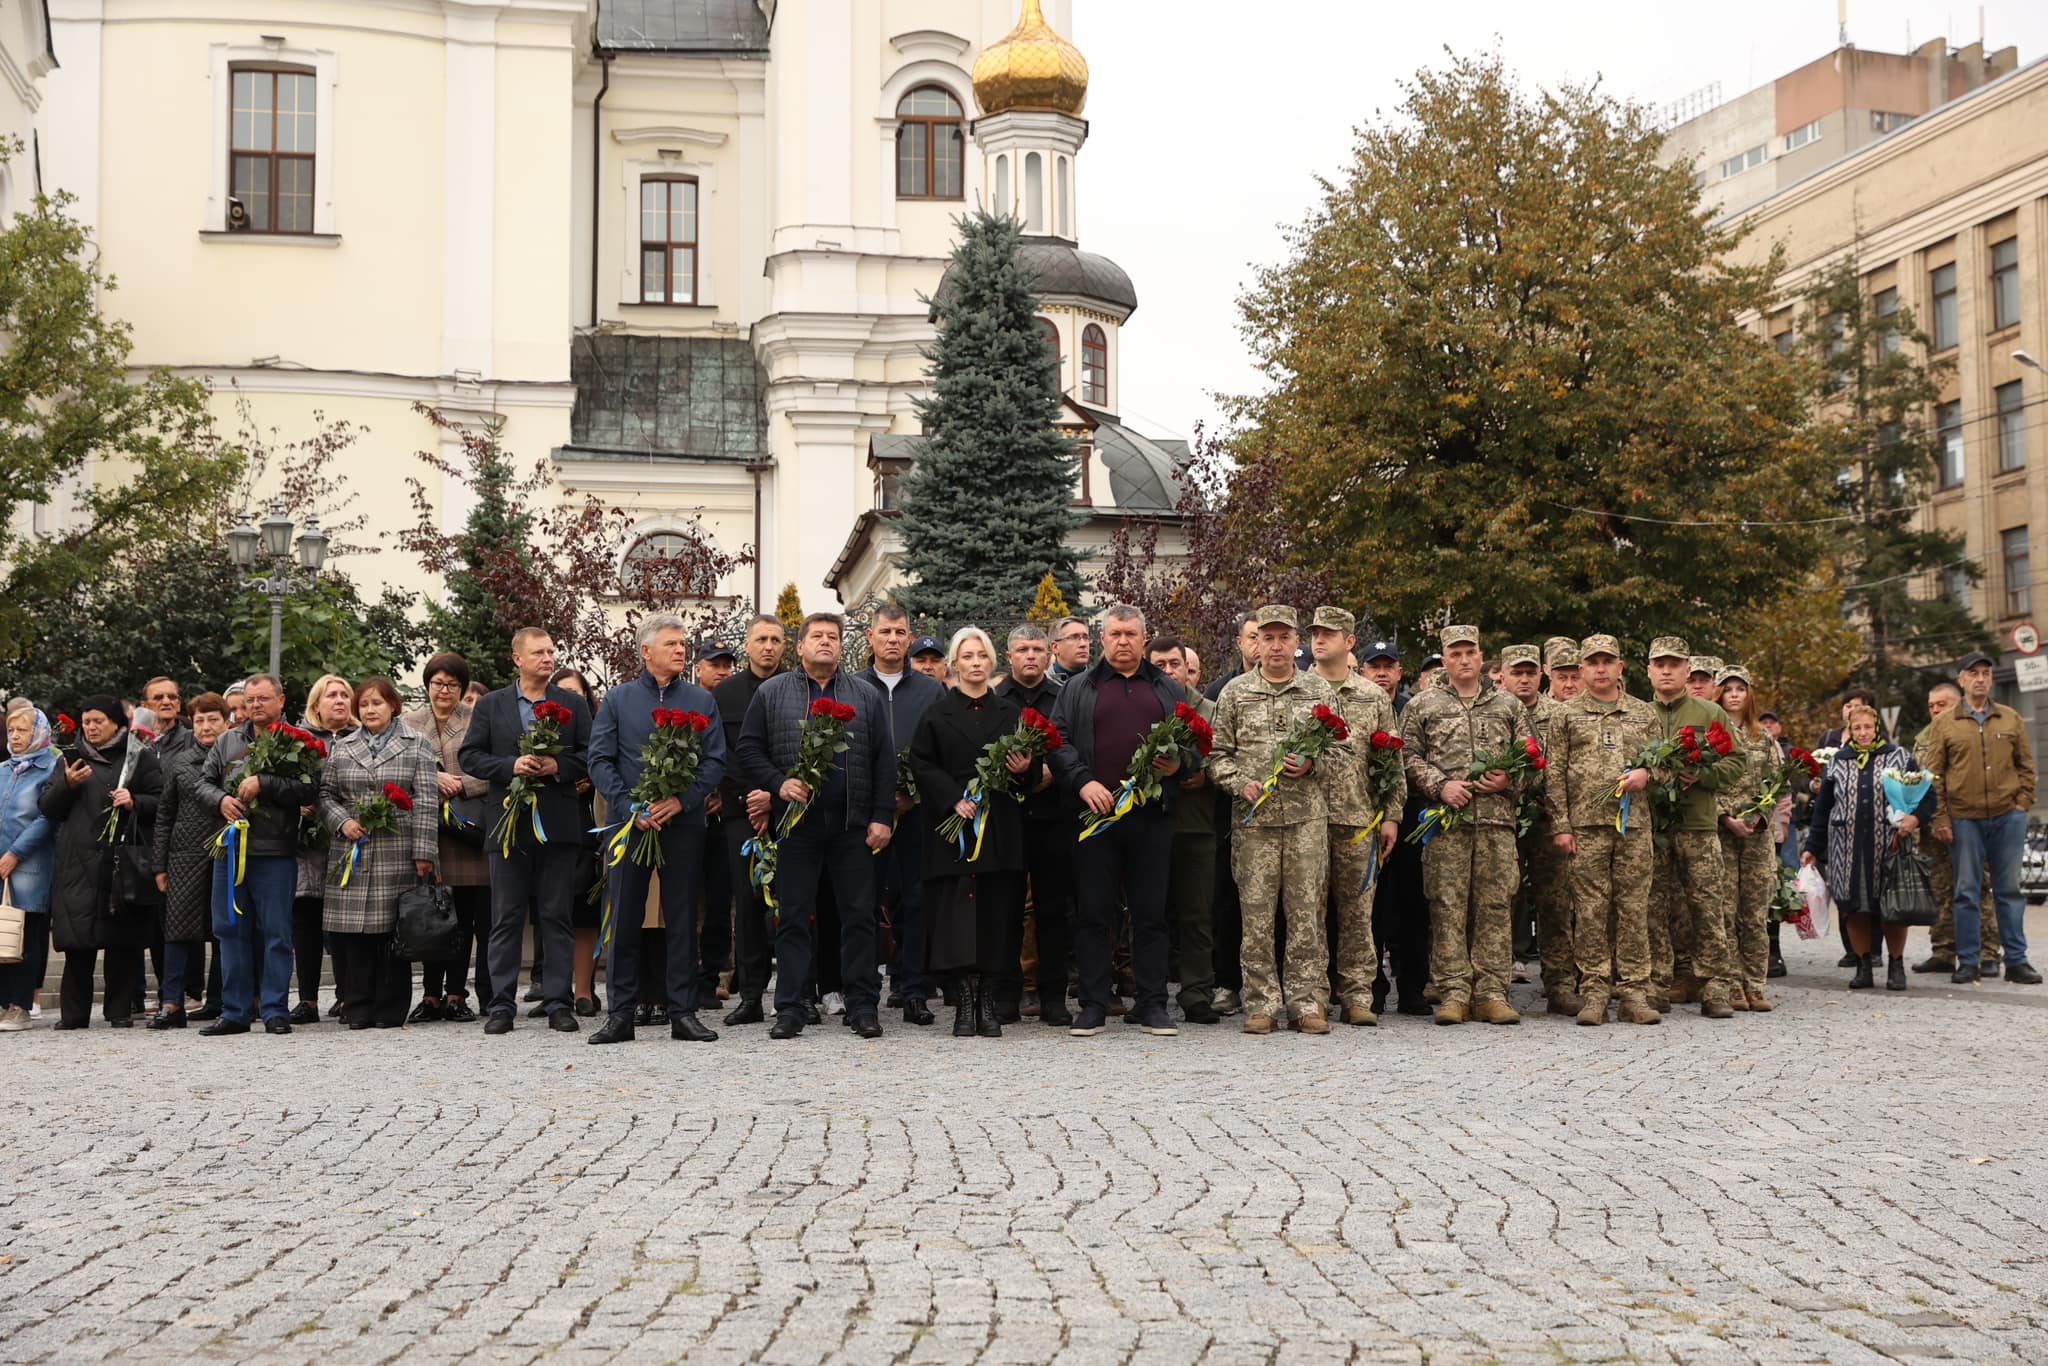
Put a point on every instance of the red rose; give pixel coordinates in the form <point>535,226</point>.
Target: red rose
<point>1539,763</point>
<point>398,796</point>
<point>822,707</point>
<point>65,725</point>
<point>1531,748</point>
<point>695,720</point>
<point>1396,742</point>
<point>1183,711</point>
<point>1205,735</point>
<point>553,711</point>
<point>277,728</point>
<point>1380,738</point>
<point>317,745</point>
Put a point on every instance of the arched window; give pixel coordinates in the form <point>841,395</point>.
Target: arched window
<point>1005,206</point>
<point>1094,366</point>
<point>668,564</point>
<point>929,145</point>
<point>668,241</point>
<point>1034,192</point>
<point>1061,218</point>
<point>1052,345</point>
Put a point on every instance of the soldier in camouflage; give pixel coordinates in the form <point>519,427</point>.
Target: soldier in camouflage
<point>1280,856</point>
<point>1469,872</point>
<point>1594,740</point>
<point>1561,667</point>
<point>1366,708</point>
<point>1748,851</point>
<point>1546,881</point>
<point>1689,893</point>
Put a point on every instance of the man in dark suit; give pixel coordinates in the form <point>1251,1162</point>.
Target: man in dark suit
<point>906,692</point>
<point>739,812</point>
<point>1048,849</point>
<point>537,872</point>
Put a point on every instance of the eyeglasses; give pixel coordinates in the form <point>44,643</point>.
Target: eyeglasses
<point>444,685</point>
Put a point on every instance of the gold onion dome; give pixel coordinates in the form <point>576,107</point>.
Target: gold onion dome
<point>1031,68</point>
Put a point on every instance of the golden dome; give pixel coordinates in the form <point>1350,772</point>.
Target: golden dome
<point>1031,68</point>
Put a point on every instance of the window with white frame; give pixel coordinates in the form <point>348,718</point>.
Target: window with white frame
<point>667,564</point>
<point>1799,137</point>
<point>1743,161</point>
<point>1948,427</point>
<point>1886,121</point>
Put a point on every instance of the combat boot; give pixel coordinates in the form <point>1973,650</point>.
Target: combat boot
<point>1360,1015</point>
<point>1312,1022</point>
<point>1495,1012</point>
<point>1660,1001</point>
<point>1684,991</point>
<point>1714,1008</point>
<point>1258,1024</point>
<point>1565,1003</point>
<point>1592,1010</point>
<point>1738,999</point>
<point>1757,1000</point>
<point>1452,1013</point>
<point>1637,1013</point>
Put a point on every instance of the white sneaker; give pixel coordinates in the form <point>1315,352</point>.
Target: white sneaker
<point>13,1020</point>
<point>1225,1001</point>
<point>835,1004</point>
<point>35,1012</point>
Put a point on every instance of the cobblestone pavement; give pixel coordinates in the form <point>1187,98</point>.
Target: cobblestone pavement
<point>1852,1178</point>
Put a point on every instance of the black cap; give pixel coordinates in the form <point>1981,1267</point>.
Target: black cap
<point>1380,649</point>
<point>711,649</point>
<point>1433,662</point>
<point>1973,659</point>
<point>927,645</point>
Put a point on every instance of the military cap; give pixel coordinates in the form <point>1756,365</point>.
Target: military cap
<point>708,648</point>
<point>1276,614</point>
<point>1379,649</point>
<point>1335,619</point>
<point>1704,664</point>
<point>1669,647</point>
<point>926,645</point>
<point>1459,635</point>
<point>1433,662</point>
<point>1520,654</point>
<point>1560,652</point>
<point>1735,671</point>
<point>1602,645</point>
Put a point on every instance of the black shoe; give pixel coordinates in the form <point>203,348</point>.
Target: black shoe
<point>1848,960</point>
<point>962,998</point>
<point>586,1006</point>
<point>915,1011</point>
<point>1201,1012</point>
<point>277,1026</point>
<point>1412,1005</point>
<point>684,1025</point>
<point>538,1011</point>
<point>868,1027</point>
<point>746,1012</point>
<point>359,1024</point>
<point>1009,1012</point>
<point>1090,1022</point>
<point>1152,1020</point>
<point>985,1022</point>
<point>643,1014</point>
<point>617,1029</point>
<point>167,1019</point>
<point>1777,967</point>
<point>426,1012</point>
<point>895,1001</point>
<point>1895,975</point>
<point>209,1011</point>
<point>1940,962</point>
<point>332,1011</point>
<point>1966,973</point>
<point>533,992</point>
<point>813,1015</point>
<point>218,1028</point>
<point>1865,977</point>
<point>458,1012</point>
<point>563,1021</point>
<point>125,1022</point>
<point>500,1022</point>
<point>1057,1016</point>
<point>305,1012</point>
<point>2026,974</point>
<point>788,1025</point>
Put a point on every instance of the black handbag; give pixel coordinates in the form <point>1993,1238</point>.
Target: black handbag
<point>425,930</point>
<point>462,820</point>
<point>1908,896</point>
<point>135,869</point>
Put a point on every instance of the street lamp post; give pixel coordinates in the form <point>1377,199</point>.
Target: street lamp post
<point>269,546</point>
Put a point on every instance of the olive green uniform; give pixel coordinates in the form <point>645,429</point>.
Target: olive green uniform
<point>1593,743</point>
<point>1366,708</point>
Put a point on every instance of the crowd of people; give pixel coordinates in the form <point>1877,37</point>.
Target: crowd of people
<point>1064,829</point>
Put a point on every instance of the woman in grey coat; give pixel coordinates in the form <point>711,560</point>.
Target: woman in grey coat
<point>375,988</point>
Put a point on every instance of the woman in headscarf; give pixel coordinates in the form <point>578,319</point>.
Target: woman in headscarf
<point>331,715</point>
<point>183,850</point>
<point>1850,837</point>
<point>111,774</point>
<point>26,840</point>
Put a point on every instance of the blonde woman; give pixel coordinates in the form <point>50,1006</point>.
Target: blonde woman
<point>331,715</point>
<point>1748,843</point>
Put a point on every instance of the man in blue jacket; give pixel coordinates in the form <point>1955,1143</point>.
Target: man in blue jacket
<point>905,693</point>
<point>624,722</point>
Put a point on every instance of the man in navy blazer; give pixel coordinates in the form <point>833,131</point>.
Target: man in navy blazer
<point>900,868</point>
<point>624,721</point>
<point>539,871</point>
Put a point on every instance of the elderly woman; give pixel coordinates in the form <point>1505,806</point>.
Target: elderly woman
<point>183,852</point>
<point>974,910</point>
<point>1749,851</point>
<point>1851,835</point>
<point>111,774</point>
<point>442,723</point>
<point>330,714</point>
<point>26,840</point>
<point>359,917</point>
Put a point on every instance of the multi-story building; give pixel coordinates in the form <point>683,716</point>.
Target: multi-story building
<point>26,57</point>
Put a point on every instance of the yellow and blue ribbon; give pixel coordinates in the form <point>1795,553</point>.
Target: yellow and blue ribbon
<point>348,864</point>
<point>1434,821</point>
<point>1621,796</point>
<point>979,825</point>
<point>232,844</point>
<point>1128,799</point>
<point>453,818</point>
<point>760,856</point>
<point>1372,856</point>
<point>1266,790</point>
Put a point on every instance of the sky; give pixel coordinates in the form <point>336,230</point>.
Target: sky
<point>1211,119</point>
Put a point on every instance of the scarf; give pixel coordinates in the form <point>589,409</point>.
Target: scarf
<point>376,740</point>
<point>39,740</point>
<point>1863,752</point>
<point>92,751</point>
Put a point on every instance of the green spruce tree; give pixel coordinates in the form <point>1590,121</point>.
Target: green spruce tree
<point>989,505</point>
<point>493,550</point>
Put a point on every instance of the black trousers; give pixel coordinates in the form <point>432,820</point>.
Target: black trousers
<point>823,847</point>
<point>472,921</point>
<point>543,877</point>
<point>1126,863</point>
<point>682,852</point>
<point>714,930</point>
<point>1400,924</point>
<point>900,874</point>
<point>753,926</point>
<point>74,992</point>
<point>306,946</point>
<point>1049,866</point>
<point>375,988</point>
<point>1227,955</point>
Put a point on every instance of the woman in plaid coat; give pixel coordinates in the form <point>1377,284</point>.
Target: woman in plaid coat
<point>359,918</point>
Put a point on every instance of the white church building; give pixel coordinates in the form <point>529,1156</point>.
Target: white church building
<point>677,247</point>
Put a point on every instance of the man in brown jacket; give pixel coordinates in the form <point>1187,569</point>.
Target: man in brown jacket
<point>1983,769</point>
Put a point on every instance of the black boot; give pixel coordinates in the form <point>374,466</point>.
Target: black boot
<point>1895,975</point>
<point>985,1022</point>
<point>1865,978</point>
<point>963,1009</point>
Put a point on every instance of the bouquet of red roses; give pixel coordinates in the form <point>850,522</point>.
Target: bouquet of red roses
<point>824,739</point>
<point>67,736</point>
<point>1322,729</point>
<point>544,738</point>
<point>669,758</point>
<point>377,815</point>
<point>1034,736</point>
<point>1516,760</point>
<point>277,750</point>
<point>1688,751</point>
<point>1183,735</point>
<point>1799,764</point>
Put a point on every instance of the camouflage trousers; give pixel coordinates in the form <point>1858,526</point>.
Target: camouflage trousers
<point>1689,915</point>
<point>1942,873</point>
<point>1751,862</point>
<point>1470,877</point>
<point>1357,957</point>
<point>1283,869</point>
<point>1547,873</point>
<point>1610,882</point>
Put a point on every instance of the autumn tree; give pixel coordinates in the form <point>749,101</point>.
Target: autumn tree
<point>1507,380</point>
<point>1801,650</point>
<point>789,610</point>
<point>1049,604</point>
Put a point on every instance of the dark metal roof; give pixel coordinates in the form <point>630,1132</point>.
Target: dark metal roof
<point>1144,475</point>
<point>682,26</point>
<point>691,397</point>
<point>1062,268</point>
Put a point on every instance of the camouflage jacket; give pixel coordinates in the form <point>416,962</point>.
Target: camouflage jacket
<point>1759,756</point>
<point>1442,732</point>
<point>1543,719</point>
<point>1590,747</point>
<point>1252,717</point>
<point>1365,707</point>
<point>1697,808</point>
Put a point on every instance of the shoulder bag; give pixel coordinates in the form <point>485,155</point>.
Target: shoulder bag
<point>425,930</point>
<point>13,927</point>
<point>1908,893</point>
<point>135,869</point>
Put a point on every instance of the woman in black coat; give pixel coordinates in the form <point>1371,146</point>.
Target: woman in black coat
<point>973,912</point>
<point>185,828</point>
<point>109,771</point>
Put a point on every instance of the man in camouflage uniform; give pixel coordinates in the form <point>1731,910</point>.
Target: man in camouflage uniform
<point>1280,855</point>
<point>1469,872</point>
<point>1689,892</point>
<point>1594,739</point>
<point>1701,670</point>
<point>1366,708</point>
<point>1940,699</point>
<point>1561,666</point>
<point>1546,886</point>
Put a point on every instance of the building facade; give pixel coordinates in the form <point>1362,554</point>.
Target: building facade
<point>679,247</point>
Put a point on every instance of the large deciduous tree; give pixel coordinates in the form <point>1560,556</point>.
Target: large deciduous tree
<point>1507,379</point>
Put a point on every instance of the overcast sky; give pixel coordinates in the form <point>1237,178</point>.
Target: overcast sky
<point>1210,119</point>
